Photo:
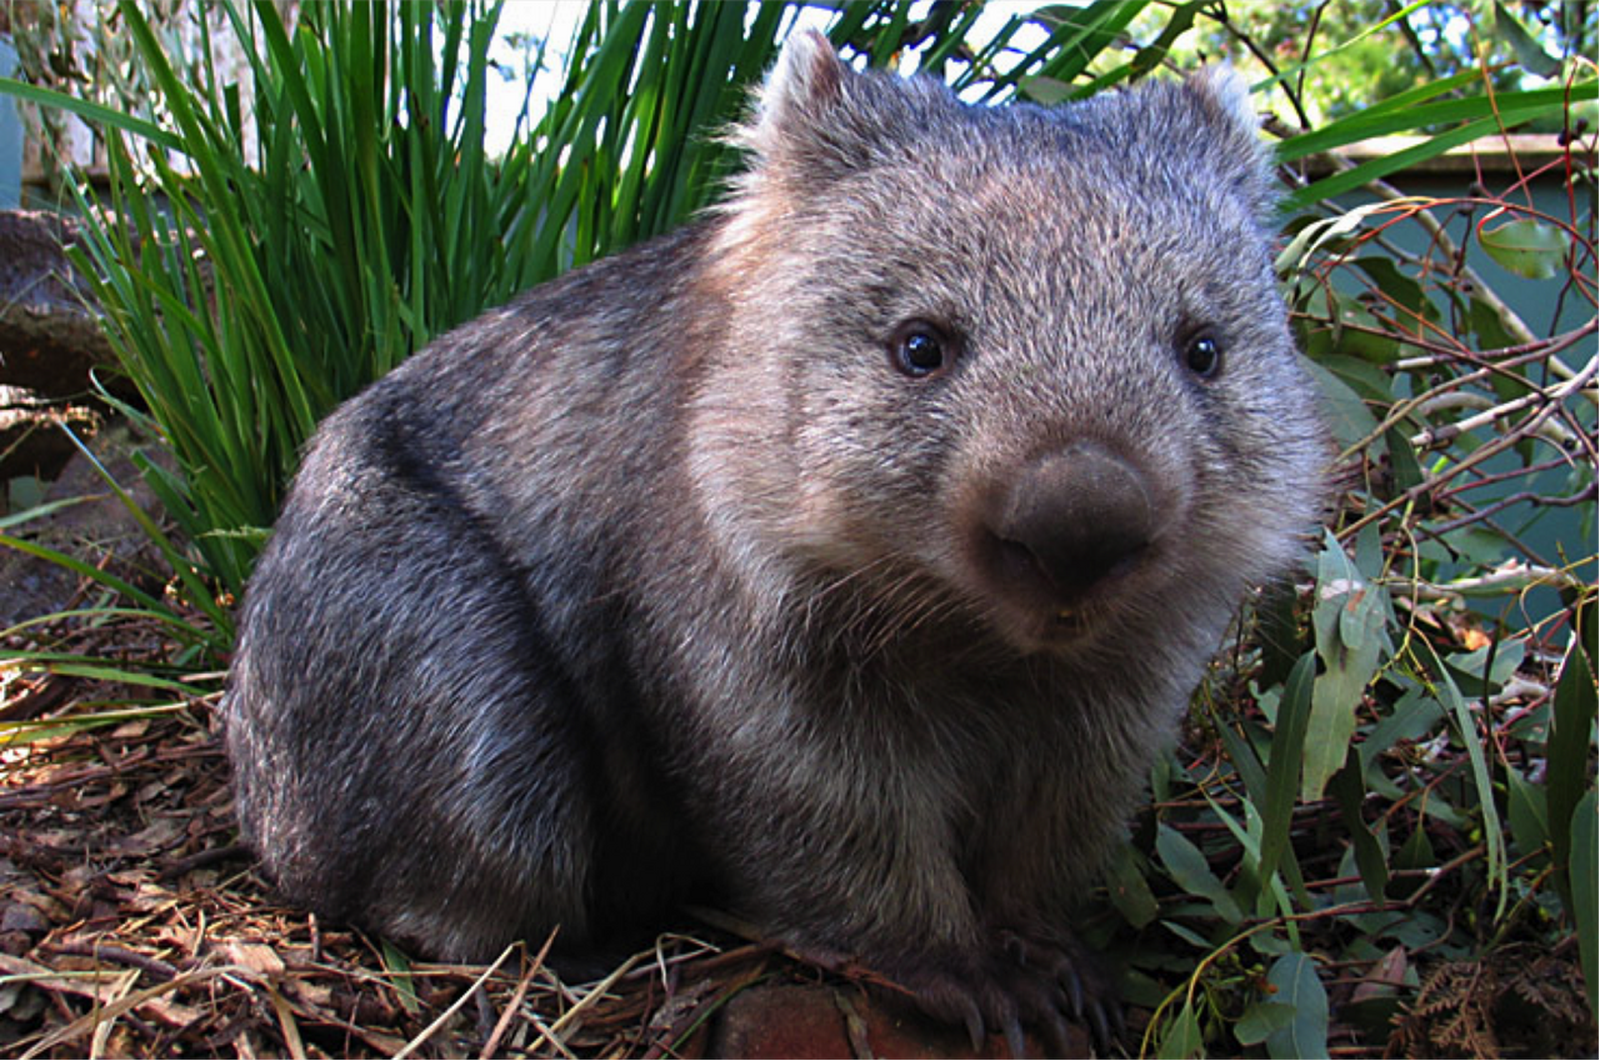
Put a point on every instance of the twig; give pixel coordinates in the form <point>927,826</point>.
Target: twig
<point>591,996</point>
<point>286,1024</point>
<point>179,866</point>
<point>1483,453</point>
<point>427,1033</point>
<point>1519,577</point>
<point>113,1010</point>
<point>157,968</point>
<point>1510,500</point>
<point>1431,437</point>
<point>1508,318</point>
<point>493,1044</point>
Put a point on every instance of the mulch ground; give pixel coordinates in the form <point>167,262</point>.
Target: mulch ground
<point>133,925</point>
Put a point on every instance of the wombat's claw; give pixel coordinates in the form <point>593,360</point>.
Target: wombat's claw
<point>1005,1017</point>
<point>1053,960</point>
<point>1101,1012</point>
<point>1063,964</point>
<point>968,997</point>
<point>1108,1028</point>
<point>1009,1021</point>
<point>1053,1027</point>
<point>974,1022</point>
<point>1010,1026</point>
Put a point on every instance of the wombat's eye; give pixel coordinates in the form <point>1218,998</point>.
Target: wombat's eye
<point>919,349</point>
<point>1202,355</point>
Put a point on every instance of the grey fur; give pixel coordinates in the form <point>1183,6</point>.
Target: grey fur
<point>663,583</point>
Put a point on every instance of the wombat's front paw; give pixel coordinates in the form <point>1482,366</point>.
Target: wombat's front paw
<point>1039,980</point>
<point>1060,960</point>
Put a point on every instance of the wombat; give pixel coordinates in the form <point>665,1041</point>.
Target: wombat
<point>843,558</point>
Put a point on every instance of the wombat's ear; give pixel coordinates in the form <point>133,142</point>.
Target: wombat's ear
<point>1224,98</point>
<point>805,83</point>
<point>805,128</point>
<point>815,118</point>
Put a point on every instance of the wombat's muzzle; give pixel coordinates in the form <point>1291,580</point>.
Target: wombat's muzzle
<point>1071,519</point>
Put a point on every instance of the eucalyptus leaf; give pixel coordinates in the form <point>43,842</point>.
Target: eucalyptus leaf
<point>1294,976</point>
<point>1417,851</point>
<point>1349,788</point>
<point>1508,28</point>
<point>1403,296</point>
<point>1585,851</point>
<point>1189,870</point>
<point>1188,935</point>
<point>1527,247</point>
<point>1342,406</point>
<point>1348,618</point>
<point>1402,460</point>
<point>1488,324</point>
<point>1128,889</point>
<point>1525,814</point>
<point>1569,751</point>
<point>1467,732</point>
<point>1262,1019</point>
<point>1359,333</point>
<point>1181,1037</point>
<point>1468,667</point>
<point>1283,770</point>
<point>1414,714</point>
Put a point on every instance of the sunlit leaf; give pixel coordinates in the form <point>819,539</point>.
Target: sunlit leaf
<point>1509,28</point>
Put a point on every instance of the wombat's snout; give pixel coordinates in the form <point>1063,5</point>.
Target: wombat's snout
<point>1070,519</point>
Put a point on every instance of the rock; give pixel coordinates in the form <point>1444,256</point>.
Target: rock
<point>50,342</point>
<point>49,337</point>
<point>98,529</point>
<point>814,1020</point>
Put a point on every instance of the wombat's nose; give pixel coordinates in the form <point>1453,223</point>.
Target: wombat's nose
<point>1075,516</point>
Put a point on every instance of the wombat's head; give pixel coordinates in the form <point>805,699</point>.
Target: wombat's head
<point>1029,360</point>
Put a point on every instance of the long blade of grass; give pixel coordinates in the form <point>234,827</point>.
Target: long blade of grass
<point>1506,111</point>
<point>96,114</point>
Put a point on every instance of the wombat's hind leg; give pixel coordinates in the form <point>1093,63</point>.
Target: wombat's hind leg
<point>407,742</point>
